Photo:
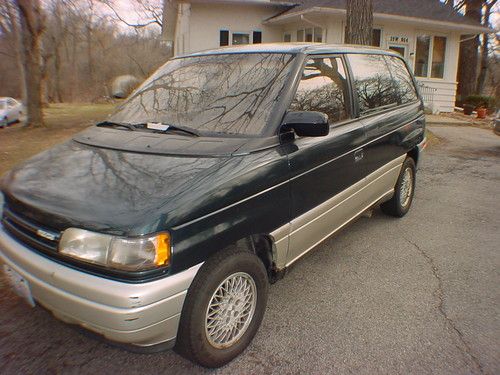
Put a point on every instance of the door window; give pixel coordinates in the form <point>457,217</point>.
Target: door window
<point>373,82</point>
<point>323,88</point>
<point>405,89</point>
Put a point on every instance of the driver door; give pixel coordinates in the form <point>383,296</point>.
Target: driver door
<point>324,169</point>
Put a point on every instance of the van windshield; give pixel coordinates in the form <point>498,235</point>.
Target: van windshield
<point>214,94</point>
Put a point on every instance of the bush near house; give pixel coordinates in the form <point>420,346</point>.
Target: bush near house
<point>481,101</point>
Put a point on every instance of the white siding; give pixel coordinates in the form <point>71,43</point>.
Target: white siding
<point>206,21</point>
<point>199,26</point>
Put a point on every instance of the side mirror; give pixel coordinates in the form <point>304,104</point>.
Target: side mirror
<point>307,123</point>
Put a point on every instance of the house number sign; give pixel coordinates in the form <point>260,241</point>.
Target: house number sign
<point>398,39</point>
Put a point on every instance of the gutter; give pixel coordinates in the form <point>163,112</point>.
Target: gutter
<point>387,17</point>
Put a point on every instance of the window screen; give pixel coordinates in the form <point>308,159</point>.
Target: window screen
<point>323,88</point>
<point>224,38</point>
<point>372,81</point>
<point>403,83</point>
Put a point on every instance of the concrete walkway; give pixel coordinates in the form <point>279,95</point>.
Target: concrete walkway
<point>443,120</point>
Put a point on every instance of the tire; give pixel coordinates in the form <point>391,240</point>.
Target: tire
<point>197,335</point>
<point>400,202</point>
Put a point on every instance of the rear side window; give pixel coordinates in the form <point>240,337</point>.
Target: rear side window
<point>373,83</point>
<point>405,89</point>
<point>323,88</point>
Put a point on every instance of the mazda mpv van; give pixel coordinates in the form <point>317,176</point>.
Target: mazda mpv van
<point>163,226</point>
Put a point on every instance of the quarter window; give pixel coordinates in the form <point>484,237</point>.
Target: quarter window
<point>373,82</point>
<point>323,88</point>
<point>405,89</point>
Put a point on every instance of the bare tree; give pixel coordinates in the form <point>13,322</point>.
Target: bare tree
<point>32,24</point>
<point>484,47</point>
<point>359,22</point>
<point>468,60</point>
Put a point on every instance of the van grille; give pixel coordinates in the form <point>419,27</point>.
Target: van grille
<point>32,234</point>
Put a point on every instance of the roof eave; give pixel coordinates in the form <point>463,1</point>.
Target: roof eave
<point>465,28</point>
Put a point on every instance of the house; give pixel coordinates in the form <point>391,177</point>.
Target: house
<point>426,32</point>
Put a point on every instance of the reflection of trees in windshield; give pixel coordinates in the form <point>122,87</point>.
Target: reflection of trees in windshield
<point>323,88</point>
<point>233,93</point>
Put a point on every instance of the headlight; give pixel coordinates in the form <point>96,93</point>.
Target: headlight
<point>130,254</point>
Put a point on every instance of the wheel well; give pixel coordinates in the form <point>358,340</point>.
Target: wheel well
<point>260,245</point>
<point>413,153</point>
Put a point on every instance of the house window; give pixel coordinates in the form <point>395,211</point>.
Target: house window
<point>240,38</point>
<point>429,64</point>
<point>257,37</point>
<point>224,38</point>
<point>300,35</point>
<point>318,34</point>
<point>310,35</point>
<point>438,51</point>
<point>287,37</point>
<point>376,37</point>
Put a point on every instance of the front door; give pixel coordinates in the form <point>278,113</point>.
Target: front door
<point>323,169</point>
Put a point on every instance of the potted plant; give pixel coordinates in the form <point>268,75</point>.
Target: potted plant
<point>481,112</point>
<point>468,108</point>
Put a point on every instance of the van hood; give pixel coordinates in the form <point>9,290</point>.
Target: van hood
<point>118,191</point>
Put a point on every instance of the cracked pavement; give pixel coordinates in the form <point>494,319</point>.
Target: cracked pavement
<point>417,295</point>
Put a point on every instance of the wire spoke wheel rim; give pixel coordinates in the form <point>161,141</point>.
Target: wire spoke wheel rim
<point>406,189</point>
<point>230,310</point>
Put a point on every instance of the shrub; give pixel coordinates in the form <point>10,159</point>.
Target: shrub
<point>480,101</point>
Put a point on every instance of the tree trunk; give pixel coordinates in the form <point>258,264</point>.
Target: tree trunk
<point>17,49</point>
<point>467,72</point>
<point>483,70</point>
<point>32,26</point>
<point>359,23</point>
<point>169,24</point>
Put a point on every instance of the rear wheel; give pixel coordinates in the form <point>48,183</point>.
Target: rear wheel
<point>223,309</point>
<point>404,191</point>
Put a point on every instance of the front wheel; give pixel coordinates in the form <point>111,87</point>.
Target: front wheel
<point>404,191</point>
<point>223,309</point>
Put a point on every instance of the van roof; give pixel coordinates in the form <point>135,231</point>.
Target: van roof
<point>295,48</point>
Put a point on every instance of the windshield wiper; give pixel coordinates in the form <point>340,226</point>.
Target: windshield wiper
<point>183,129</point>
<point>113,124</point>
<point>163,128</point>
<point>144,125</point>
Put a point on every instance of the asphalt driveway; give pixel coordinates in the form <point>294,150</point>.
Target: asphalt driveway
<point>386,296</point>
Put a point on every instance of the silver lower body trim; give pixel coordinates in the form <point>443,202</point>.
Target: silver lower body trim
<point>144,314</point>
<point>314,226</point>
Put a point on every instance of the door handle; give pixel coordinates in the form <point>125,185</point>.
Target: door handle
<point>358,155</point>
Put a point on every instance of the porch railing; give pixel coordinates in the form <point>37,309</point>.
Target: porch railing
<point>427,93</point>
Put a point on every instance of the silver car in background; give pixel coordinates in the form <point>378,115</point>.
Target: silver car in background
<point>10,111</point>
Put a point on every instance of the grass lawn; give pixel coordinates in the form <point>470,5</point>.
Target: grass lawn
<point>62,121</point>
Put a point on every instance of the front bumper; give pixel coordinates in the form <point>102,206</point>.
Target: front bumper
<point>143,315</point>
